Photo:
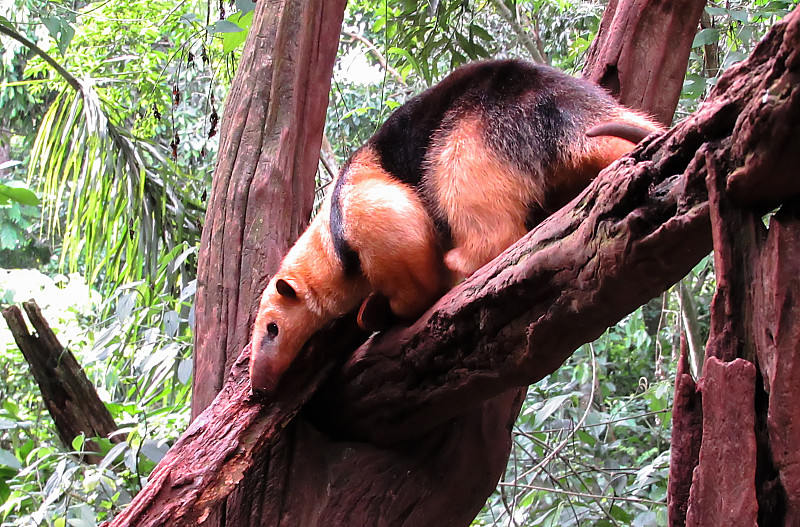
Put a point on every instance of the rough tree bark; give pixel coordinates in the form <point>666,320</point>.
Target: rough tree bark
<point>639,227</point>
<point>741,467</point>
<point>776,330</point>
<point>641,51</point>
<point>261,199</point>
<point>263,188</point>
<point>69,396</point>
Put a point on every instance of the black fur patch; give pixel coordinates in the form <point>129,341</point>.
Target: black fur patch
<point>347,255</point>
<point>532,115</point>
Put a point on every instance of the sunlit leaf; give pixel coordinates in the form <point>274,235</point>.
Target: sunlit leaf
<point>233,39</point>
<point>19,192</point>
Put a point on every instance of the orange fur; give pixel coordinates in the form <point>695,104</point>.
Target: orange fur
<point>399,255</point>
<point>312,268</point>
<point>590,158</point>
<point>484,199</point>
<point>394,236</point>
<point>483,196</point>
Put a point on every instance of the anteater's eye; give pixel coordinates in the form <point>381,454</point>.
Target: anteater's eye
<point>272,329</point>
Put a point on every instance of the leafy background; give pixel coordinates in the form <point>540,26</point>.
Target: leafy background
<point>108,136</point>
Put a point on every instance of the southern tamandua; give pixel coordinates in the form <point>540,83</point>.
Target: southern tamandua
<point>452,178</point>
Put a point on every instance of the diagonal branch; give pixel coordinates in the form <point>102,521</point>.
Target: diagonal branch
<point>71,79</point>
<point>634,232</point>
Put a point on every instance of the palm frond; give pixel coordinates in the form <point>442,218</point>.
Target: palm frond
<point>116,200</point>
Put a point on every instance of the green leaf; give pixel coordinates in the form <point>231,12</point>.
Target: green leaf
<point>171,323</point>
<point>694,86</point>
<point>9,164</point>
<point>707,36</point>
<point>549,408</point>
<point>19,192</point>
<point>189,290</point>
<point>232,40</point>
<point>9,460</point>
<point>739,15</point>
<point>8,236</point>
<point>481,33</point>
<point>190,17</point>
<point>406,55</point>
<point>125,306</point>
<point>245,6</point>
<point>185,371</point>
<point>733,57</point>
<point>224,26</point>
<point>7,424</point>
<point>716,11</point>
<point>78,442</point>
<point>60,30</point>
<point>619,514</point>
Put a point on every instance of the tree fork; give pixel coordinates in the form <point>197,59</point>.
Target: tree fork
<point>638,228</point>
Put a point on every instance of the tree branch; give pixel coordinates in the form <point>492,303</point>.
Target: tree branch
<point>634,232</point>
<point>71,79</point>
<point>526,40</point>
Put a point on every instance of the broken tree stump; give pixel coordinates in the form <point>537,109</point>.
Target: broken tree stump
<point>70,398</point>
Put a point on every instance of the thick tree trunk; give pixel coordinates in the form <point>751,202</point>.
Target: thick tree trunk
<point>639,227</point>
<point>260,202</point>
<point>641,51</point>
<point>741,467</point>
<point>70,398</point>
<point>263,188</point>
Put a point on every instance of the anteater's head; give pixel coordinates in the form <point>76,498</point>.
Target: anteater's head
<point>284,323</point>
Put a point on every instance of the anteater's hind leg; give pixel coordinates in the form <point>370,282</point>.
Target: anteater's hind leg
<point>484,199</point>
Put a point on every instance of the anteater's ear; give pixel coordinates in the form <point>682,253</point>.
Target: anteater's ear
<point>285,289</point>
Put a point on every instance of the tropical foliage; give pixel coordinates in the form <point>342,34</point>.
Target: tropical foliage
<point>110,118</point>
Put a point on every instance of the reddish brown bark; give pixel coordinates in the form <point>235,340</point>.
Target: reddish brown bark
<point>777,336</point>
<point>69,396</point>
<point>263,186</point>
<point>746,474</point>
<point>260,201</point>
<point>223,445</point>
<point>641,51</point>
<point>736,233</point>
<point>723,488</point>
<point>687,434</point>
